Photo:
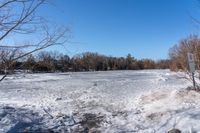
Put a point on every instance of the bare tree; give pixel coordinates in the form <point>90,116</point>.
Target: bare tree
<point>20,17</point>
<point>178,56</point>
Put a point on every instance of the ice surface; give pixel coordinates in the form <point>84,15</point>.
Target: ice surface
<point>113,101</point>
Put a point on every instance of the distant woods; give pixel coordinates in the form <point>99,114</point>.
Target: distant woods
<point>48,61</point>
<point>57,62</point>
<point>88,61</point>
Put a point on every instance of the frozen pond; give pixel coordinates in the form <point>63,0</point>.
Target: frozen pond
<point>82,101</point>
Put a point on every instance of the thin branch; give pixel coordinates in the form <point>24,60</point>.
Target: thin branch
<point>3,77</point>
<point>22,18</point>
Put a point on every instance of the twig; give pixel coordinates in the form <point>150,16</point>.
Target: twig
<point>3,77</point>
<point>48,113</point>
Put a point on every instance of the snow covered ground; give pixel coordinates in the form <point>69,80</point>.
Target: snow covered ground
<point>116,101</point>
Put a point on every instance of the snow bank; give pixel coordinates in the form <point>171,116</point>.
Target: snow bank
<point>165,109</point>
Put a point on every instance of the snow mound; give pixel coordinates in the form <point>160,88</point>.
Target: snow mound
<point>166,109</point>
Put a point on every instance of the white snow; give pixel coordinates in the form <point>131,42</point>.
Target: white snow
<point>114,101</point>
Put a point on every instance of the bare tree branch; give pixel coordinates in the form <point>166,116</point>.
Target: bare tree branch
<point>25,21</point>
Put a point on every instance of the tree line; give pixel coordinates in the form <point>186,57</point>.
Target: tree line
<point>47,61</point>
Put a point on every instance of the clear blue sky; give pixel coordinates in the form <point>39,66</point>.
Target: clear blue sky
<point>143,28</point>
